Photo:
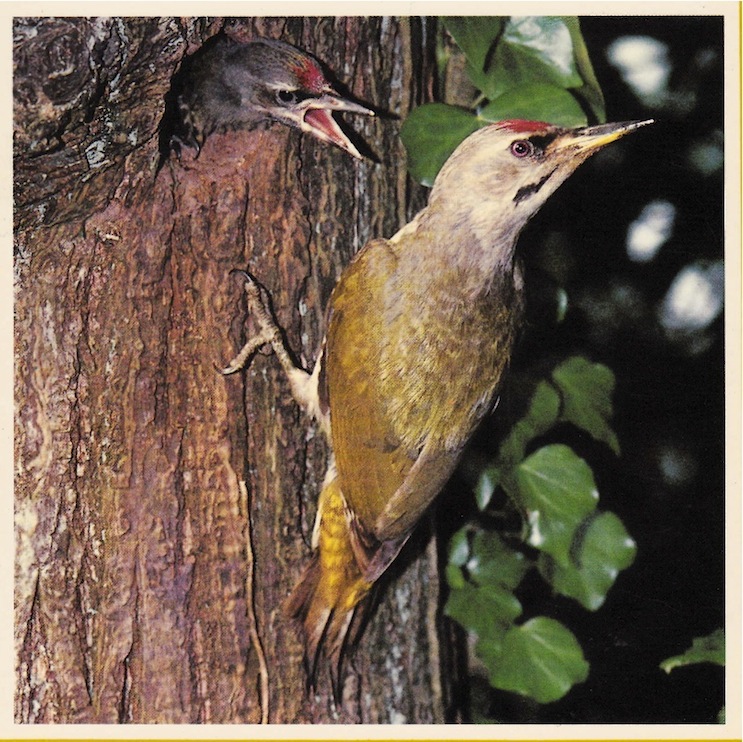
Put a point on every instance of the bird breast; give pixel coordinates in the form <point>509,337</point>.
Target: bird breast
<point>445,356</point>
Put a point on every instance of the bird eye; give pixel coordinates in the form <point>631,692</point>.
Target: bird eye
<point>522,148</point>
<point>286,96</point>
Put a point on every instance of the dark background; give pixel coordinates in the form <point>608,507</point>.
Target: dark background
<point>668,484</point>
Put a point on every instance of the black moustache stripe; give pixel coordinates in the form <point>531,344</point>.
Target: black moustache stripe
<point>528,191</point>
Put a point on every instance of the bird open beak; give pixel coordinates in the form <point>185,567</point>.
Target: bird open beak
<point>591,138</point>
<point>318,120</point>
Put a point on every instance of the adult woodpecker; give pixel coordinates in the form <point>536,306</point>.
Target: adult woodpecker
<point>228,84</point>
<point>420,329</point>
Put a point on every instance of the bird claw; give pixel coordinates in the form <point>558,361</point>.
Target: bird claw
<point>241,359</point>
<point>269,333</point>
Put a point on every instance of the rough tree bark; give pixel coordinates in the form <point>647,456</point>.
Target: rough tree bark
<point>163,512</point>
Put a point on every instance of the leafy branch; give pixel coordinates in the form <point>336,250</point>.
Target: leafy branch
<point>533,67</point>
<point>580,550</point>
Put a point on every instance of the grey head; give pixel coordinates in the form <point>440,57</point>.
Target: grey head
<point>228,85</point>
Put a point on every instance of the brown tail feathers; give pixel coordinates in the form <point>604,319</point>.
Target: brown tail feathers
<point>331,590</point>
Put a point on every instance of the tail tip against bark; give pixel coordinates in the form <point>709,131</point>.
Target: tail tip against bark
<point>326,627</point>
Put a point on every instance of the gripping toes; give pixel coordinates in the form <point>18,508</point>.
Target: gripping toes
<point>303,385</point>
<point>269,333</point>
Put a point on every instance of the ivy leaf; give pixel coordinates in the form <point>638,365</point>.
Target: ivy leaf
<point>541,415</point>
<point>483,610</point>
<point>431,133</point>
<point>494,563</point>
<point>536,102</point>
<point>533,49</point>
<point>703,649</point>
<point>587,390</point>
<point>601,549</point>
<point>557,490</point>
<point>475,36</point>
<point>490,650</point>
<point>454,577</point>
<point>540,659</point>
<point>544,407</point>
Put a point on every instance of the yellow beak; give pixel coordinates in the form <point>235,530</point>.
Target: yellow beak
<point>591,138</point>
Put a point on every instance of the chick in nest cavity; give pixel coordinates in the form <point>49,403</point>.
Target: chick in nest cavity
<point>229,85</point>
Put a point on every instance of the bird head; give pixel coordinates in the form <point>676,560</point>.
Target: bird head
<point>279,82</point>
<point>500,176</point>
<point>228,84</point>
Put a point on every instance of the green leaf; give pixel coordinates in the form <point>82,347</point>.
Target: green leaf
<point>533,49</point>
<point>703,649</point>
<point>454,577</point>
<point>601,549</point>
<point>431,133</point>
<point>546,39</point>
<point>475,36</point>
<point>486,483</point>
<point>544,407</point>
<point>537,101</point>
<point>494,563</point>
<point>590,91</point>
<point>557,490</point>
<point>540,659</point>
<point>541,415</point>
<point>483,610</point>
<point>587,390</point>
<point>490,650</point>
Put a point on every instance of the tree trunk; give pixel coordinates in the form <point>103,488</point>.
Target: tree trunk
<point>163,512</point>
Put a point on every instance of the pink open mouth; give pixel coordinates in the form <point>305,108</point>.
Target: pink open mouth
<point>322,124</point>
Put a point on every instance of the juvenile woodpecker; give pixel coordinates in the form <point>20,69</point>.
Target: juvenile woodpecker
<point>228,84</point>
<point>420,329</point>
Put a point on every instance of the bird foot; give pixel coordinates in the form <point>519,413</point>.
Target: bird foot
<point>303,385</point>
<point>269,333</point>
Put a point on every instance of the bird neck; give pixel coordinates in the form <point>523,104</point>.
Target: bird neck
<point>478,244</point>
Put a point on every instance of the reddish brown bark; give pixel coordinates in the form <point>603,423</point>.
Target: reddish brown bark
<point>163,512</point>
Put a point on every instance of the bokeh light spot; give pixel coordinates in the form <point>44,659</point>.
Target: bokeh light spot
<point>643,62</point>
<point>650,231</point>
